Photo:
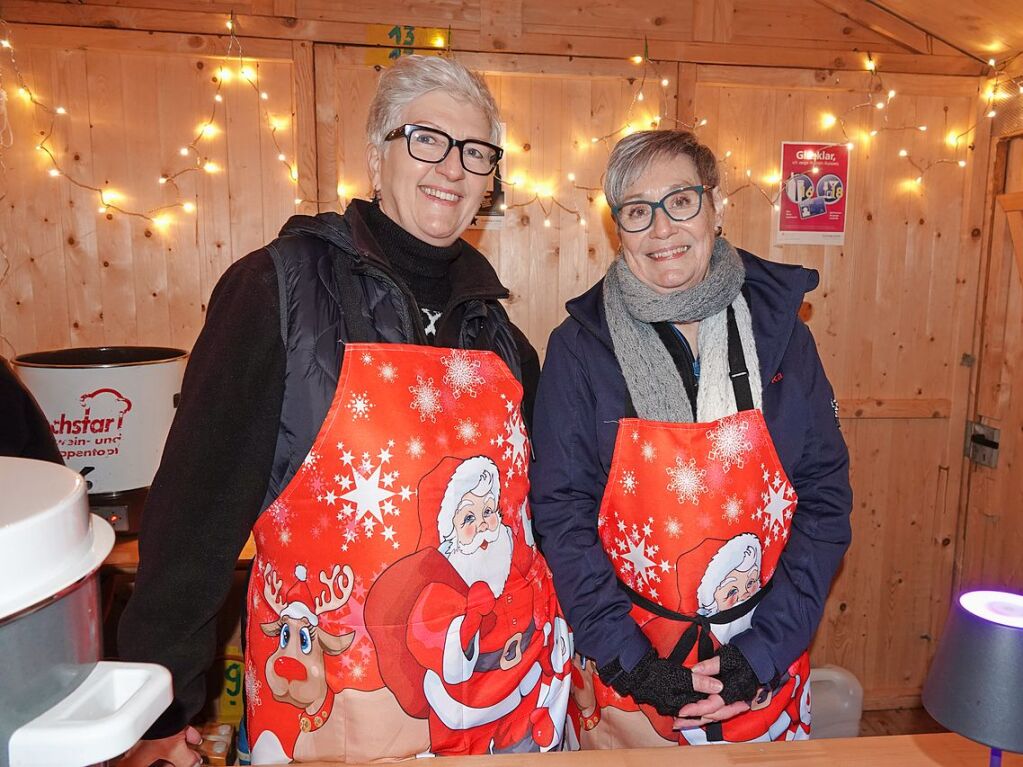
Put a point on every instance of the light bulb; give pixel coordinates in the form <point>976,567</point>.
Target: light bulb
<point>188,207</point>
<point>664,82</point>
<point>903,153</point>
<point>60,111</point>
<point>183,151</point>
<point>636,59</point>
<point>54,172</point>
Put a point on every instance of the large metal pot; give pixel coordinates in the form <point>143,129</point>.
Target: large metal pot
<point>110,409</point>
<point>59,705</point>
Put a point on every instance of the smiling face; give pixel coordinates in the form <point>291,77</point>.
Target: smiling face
<point>433,202</point>
<point>671,255</point>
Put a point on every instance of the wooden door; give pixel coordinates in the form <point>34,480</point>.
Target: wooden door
<point>991,545</point>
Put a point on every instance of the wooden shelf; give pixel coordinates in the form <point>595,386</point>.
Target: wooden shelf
<point>124,557</point>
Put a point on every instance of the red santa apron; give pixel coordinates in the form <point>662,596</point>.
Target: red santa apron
<point>694,517</point>
<point>397,605</point>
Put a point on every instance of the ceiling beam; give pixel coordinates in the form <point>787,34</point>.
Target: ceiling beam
<point>888,25</point>
<point>829,57</point>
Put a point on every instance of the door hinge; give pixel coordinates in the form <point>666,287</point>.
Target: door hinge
<point>982,444</point>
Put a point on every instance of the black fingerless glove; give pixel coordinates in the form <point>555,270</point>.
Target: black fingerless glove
<point>740,683</point>
<point>655,681</point>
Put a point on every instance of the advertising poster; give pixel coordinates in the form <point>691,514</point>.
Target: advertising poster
<point>815,184</point>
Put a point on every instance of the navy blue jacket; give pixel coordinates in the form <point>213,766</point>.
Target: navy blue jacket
<point>580,400</point>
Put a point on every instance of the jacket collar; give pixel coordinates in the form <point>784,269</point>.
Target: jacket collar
<point>776,293</point>
<point>471,275</point>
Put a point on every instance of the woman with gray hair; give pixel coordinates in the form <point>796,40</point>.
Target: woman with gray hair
<point>340,367</point>
<point>690,484</point>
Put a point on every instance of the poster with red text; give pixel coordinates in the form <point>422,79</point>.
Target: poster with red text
<point>815,185</point>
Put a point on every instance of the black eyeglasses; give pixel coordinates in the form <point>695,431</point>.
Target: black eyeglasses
<point>432,145</point>
<point>679,205</point>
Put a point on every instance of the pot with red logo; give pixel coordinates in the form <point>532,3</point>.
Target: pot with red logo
<point>110,409</point>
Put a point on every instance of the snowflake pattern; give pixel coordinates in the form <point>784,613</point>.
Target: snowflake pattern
<point>686,480</point>
<point>467,430</point>
<point>673,527</point>
<point>253,687</point>
<point>415,448</point>
<point>648,451</point>
<point>426,399</point>
<point>462,373</point>
<point>731,510</point>
<point>730,443</point>
<point>388,372</point>
<point>311,458</point>
<point>629,482</point>
<point>360,405</point>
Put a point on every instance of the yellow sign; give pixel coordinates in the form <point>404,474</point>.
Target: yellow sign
<point>397,40</point>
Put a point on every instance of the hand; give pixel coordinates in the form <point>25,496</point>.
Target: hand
<point>714,708</point>
<point>175,749</point>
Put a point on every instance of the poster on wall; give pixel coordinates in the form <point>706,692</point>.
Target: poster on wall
<point>815,184</point>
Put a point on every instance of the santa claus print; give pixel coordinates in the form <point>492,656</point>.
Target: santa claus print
<point>463,637</point>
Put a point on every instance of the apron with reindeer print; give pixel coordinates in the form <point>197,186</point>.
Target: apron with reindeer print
<point>398,606</point>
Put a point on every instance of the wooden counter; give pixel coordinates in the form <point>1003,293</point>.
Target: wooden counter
<point>936,750</point>
<point>124,557</point>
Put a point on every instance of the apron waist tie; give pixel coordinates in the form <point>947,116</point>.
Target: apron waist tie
<point>697,633</point>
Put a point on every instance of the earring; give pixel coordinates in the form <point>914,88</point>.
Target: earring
<point>718,230</point>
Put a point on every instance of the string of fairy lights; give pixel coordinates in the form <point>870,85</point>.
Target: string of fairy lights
<point>196,155</point>
<point>640,114</point>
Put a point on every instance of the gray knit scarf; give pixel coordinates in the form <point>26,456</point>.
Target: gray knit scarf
<point>653,380</point>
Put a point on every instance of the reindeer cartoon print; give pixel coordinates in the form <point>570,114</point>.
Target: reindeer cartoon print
<point>295,671</point>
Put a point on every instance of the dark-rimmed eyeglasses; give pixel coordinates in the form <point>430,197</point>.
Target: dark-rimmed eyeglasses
<point>433,145</point>
<point>678,205</point>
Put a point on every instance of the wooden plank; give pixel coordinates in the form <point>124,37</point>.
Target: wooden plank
<point>850,82</point>
<point>1011,201</point>
<point>457,14</point>
<point>600,46</point>
<point>1015,222</point>
<point>304,90</point>
<point>886,24</point>
<point>500,23</point>
<point>712,20</point>
<point>140,84</point>
<point>84,36</point>
<point>635,21</point>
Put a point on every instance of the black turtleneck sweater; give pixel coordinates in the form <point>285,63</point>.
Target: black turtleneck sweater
<point>424,268</point>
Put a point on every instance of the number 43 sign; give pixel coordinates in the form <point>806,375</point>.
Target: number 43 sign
<point>397,40</point>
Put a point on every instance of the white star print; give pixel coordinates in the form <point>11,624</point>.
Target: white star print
<point>637,556</point>
<point>367,496</point>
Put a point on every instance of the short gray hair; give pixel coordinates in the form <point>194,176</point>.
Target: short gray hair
<point>631,157</point>
<point>415,76</point>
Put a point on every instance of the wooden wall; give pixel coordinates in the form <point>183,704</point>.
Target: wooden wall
<point>79,278</point>
<point>894,315</point>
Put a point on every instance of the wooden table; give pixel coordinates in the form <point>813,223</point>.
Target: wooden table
<point>935,750</point>
<point>124,557</point>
